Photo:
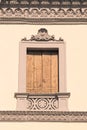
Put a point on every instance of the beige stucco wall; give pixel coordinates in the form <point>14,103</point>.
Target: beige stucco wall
<point>76,64</point>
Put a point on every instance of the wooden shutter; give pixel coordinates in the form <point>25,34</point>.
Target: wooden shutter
<point>42,71</point>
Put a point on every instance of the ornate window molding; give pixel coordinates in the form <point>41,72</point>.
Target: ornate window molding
<point>42,35</point>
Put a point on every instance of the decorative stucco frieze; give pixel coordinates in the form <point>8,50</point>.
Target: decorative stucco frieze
<point>44,12</point>
<point>35,104</point>
<point>25,116</point>
<point>44,2</point>
<point>37,15</point>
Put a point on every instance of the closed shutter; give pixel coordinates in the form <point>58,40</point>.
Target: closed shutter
<point>42,71</point>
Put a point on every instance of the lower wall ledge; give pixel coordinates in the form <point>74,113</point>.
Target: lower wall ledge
<point>43,116</point>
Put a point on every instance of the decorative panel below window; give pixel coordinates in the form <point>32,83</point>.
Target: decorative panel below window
<point>42,71</point>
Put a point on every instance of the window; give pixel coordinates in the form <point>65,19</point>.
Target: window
<point>42,71</point>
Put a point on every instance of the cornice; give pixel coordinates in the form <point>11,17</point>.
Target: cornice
<point>43,15</point>
<point>44,116</point>
<point>26,95</point>
<point>39,3</point>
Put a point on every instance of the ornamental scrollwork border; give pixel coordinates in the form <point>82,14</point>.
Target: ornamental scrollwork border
<point>41,116</point>
<point>43,15</point>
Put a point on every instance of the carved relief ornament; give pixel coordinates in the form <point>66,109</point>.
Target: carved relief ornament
<point>42,35</point>
<point>43,15</point>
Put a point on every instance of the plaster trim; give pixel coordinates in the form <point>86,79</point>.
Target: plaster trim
<point>43,116</point>
<point>60,45</point>
<point>43,15</point>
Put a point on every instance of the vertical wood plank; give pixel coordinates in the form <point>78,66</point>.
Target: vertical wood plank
<point>46,72</point>
<point>54,72</point>
<point>37,72</point>
<point>29,72</point>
